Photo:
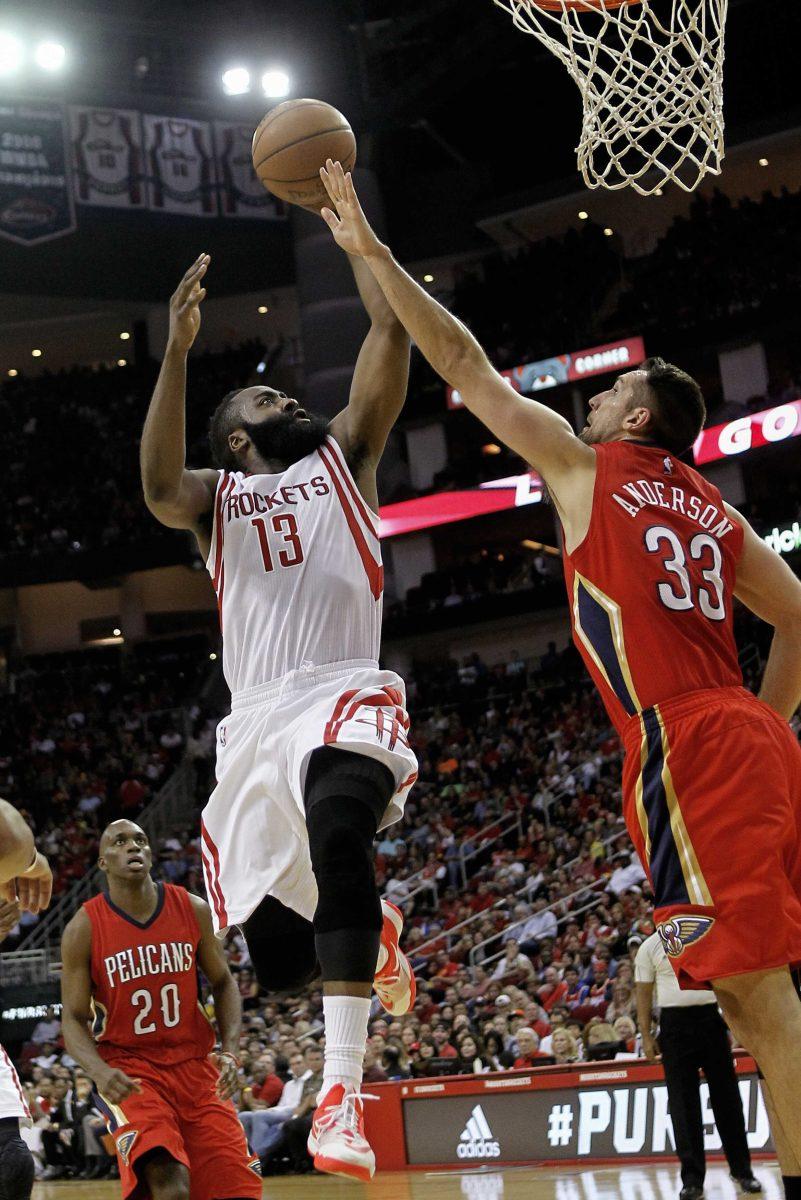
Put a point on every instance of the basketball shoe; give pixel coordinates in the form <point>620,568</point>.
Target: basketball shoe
<point>337,1142</point>
<point>394,981</point>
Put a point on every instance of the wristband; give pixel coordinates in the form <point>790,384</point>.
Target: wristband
<point>229,1054</point>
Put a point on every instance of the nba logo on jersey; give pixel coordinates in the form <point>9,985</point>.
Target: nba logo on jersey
<point>125,1144</point>
<point>667,463</point>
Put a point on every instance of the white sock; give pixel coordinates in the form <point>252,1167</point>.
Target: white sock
<point>345,1019</point>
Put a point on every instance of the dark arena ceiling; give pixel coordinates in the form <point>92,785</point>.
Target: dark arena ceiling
<point>457,111</point>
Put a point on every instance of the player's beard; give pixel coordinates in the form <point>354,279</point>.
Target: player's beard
<point>285,438</point>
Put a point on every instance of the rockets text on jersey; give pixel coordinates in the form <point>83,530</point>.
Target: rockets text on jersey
<point>145,997</point>
<point>651,586</point>
<point>296,563</point>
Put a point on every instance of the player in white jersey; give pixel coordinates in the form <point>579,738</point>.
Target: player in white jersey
<point>314,757</point>
<point>25,883</point>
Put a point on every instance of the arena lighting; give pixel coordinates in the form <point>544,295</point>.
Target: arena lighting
<point>213,657</point>
<point>764,162</point>
<point>10,53</point>
<point>12,374</point>
<point>36,354</point>
<point>583,216</point>
<point>50,56</point>
<point>491,448</point>
<point>236,81</point>
<point>608,232</point>
<point>275,83</point>
<point>443,508</point>
<point>117,632</point>
<point>125,336</point>
<point>428,279</point>
<point>263,309</point>
<point>122,362</point>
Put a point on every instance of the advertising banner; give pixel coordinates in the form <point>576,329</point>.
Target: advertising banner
<point>565,368</point>
<point>441,508</point>
<point>747,433</point>
<point>242,194</point>
<point>107,157</point>
<point>180,166</point>
<point>35,197</point>
<point>610,1116</point>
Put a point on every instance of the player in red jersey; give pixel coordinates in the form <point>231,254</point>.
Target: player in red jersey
<point>132,1018</point>
<point>654,559</point>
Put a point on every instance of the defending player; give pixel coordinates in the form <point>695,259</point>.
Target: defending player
<point>653,560</point>
<point>314,757</point>
<point>132,1019</point>
<point>26,882</point>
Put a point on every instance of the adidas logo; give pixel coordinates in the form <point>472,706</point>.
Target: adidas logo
<point>475,1140</point>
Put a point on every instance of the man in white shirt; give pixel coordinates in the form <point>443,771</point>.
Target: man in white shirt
<point>540,925</point>
<point>692,1037</point>
<point>264,1126</point>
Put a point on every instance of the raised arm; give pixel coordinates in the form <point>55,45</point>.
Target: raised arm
<point>380,379</point>
<point>176,497</point>
<point>76,995</point>
<point>227,1001</point>
<point>532,430</point>
<point>767,586</point>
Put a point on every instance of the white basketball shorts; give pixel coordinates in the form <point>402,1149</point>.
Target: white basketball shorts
<point>253,830</point>
<point>12,1097</point>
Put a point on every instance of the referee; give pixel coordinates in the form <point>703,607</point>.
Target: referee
<point>692,1036</point>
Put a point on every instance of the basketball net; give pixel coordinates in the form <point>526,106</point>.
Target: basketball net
<point>650,73</point>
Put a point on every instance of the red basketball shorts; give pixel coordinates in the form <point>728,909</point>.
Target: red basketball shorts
<point>178,1110</point>
<point>712,801</point>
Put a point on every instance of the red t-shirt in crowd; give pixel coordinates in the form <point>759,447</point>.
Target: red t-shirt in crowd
<point>551,996</point>
<point>269,1091</point>
<point>528,1060</point>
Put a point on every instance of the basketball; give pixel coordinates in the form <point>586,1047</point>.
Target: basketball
<point>293,141</point>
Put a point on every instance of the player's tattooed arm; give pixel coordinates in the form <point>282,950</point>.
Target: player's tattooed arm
<point>178,498</point>
<point>76,993</point>
<point>227,1001</point>
<point>766,585</point>
<point>534,431</point>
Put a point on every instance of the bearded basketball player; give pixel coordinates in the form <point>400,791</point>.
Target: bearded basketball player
<point>314,757</point>
<point>654,559</point>
<point>132,1018</point>
<point>26,883</point>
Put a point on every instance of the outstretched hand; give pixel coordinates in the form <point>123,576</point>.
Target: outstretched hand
<point>349,225</point>
<point>185,304</point>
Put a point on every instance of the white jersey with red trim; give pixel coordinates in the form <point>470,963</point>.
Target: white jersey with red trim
<point>296,563</point>
<point>12,1097</point>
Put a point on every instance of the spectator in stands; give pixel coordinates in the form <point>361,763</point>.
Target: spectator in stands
<point>48,1029</point>
<point>515,967</point>
<point>564,1047</point>
<point>541,925</point>
<point>528,1049</point>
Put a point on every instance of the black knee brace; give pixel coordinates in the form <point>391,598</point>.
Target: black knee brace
<point>346,796</point>
<point>16,1163</point>
<point>281,946</point>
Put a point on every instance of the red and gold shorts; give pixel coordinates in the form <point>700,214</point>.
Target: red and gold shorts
<point>712,801</point>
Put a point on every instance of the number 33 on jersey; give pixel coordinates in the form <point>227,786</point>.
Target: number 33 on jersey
<point>651,586</point>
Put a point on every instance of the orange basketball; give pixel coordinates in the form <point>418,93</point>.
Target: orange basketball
<point>293,142</point>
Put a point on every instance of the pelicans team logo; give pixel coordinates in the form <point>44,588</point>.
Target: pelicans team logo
<point>680,932</point>
<point>125,1144</point>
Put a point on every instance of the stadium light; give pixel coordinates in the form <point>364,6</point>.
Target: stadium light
<point>764,162</point>
<point>125,336</point>
<point>13,372</point>
<point>263,309</point>
<point>36,353</point>
<point>10,53</point>
<point>236,81</point>
<point>50,56</point>
<point>583,216</point>
<point>122,362</point>
<point>275,83</point>
<point>428,278</point>
<point>117,632</point>
<point>608,232</point>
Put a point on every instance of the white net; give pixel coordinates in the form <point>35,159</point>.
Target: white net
<point>650,73</point>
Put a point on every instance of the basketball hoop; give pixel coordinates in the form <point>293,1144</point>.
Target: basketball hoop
<point>650,73</point>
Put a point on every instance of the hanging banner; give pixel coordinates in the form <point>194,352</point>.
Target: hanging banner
<point>35,197</point>
<point>180,166</point>
<point>242,194</point>
<point>107,157</point>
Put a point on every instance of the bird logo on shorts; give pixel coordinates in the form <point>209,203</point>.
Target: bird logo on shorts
<point>680,932</point>
<point>125,1144</point>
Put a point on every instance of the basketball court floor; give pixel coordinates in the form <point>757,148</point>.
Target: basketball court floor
<point>511,1183</point>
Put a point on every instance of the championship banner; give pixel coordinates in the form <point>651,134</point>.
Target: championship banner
<point>180,166</point>
<point>567,368</point>
<point>35,197</point>
<point>242,194</point>
<point>107,157</point>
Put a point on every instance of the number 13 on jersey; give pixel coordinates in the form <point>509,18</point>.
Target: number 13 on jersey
<point>290,553</point>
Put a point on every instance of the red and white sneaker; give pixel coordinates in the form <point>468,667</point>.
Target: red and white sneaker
<point>394,982</point>
<point>337,1142</point>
